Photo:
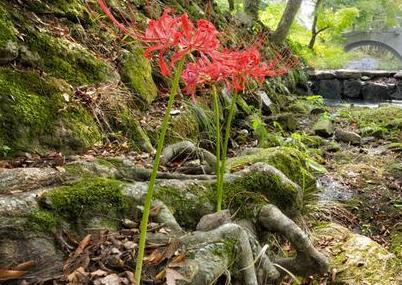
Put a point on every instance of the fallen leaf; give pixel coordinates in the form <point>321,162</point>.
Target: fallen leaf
<point>10,274</point>
<point>83,244</point>
<point>154,258</point>
<point>24,266</point>
<point>172,276</point>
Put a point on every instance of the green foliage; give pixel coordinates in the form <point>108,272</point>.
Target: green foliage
<point>260,130</point>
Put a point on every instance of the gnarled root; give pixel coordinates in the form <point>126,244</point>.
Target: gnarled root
<point>308,260</point>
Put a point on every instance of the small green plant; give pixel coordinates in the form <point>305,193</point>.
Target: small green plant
<point>5,150</point>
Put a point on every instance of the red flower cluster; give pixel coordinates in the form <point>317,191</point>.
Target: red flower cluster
<point>169,33</point>
<point>234,68</point>
<point>177,34</point>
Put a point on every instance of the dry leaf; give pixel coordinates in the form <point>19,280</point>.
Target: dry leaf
<point>172,276</point>
<point>154,258</point>
<point>10,274</point>
<point>24,266</point>
<point>77,277</point>
<point>83,244</point>
<point>178,261</point>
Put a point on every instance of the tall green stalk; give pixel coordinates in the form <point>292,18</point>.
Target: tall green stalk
<point>148,199</point>
<point>218,137</point>
<point>224,152</point>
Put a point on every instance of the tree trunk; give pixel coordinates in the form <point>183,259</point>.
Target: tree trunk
<point>231,5</point>
<point>314,33</point>
<point>287,19</point>
<point>251,8</point>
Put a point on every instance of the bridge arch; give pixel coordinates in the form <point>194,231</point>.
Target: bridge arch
<point>352,45</point>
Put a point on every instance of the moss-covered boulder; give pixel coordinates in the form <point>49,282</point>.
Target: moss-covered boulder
<point>34,114</point>
<point>292,162</point>
<point>324,128</point>
<point>136,73</point>
<point>358,259</point>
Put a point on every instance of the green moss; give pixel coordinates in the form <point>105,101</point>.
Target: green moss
<point>86,198</point>
<point>132,130</point>
<point>290,161</point>
<point>136,73</point>
<point>6,27</point>
<point>42,220</point>
<point>396,243</point>
<point>187,204</point>
<point>35,116</point>
<point>246,193</point>
<point>63,59</point>
<point>74,10</point>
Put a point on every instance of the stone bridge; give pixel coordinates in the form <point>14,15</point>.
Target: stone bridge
<point>390,40</point>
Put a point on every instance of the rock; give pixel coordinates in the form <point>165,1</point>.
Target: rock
<point>378,73</point>
<point>324,128</point>
<point>265,100</point>
<point>398,75</point>
<point>287,121</point>
<point>136,73</point>
<point>330,89</point>
<point>322,74</point>
<point>26,179</point>
<point>347,137</point>
<point>288,160</point>
<point>352,89</point>
<point>365,78</point>
<point>9,52</point>
<point>213,221</point>
<point>358,259</point>
<point>317,111</point>
<point>332,147</point>
<point>347,74</point>
<point>375,92</point>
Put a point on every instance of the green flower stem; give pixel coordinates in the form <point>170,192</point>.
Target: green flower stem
<point>218,136</point>
<point>224,152</point>
<point>148,199</point>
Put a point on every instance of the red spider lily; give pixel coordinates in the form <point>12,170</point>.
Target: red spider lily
<point>171,33</point>
<point>235,68</point>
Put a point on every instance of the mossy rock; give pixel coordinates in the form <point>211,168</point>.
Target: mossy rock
<point>358,259</point>
<point>260,184</point>
<point>324,128</point>
<point>74,10</point>
<point>35,115</point>
<point>69,61</point>
<point>290,161</point>
<point>82,202</point>
<point>136,73</point>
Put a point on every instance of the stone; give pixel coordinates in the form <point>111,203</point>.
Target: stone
<point>213,221</point>
<point>9,52</point>
<point>378,73</point>
<point>397,92</point>
<point>398,75</point>
<point>324,128</point>
<point>352,89</point>
<point>287,121</point>
<point>347,137</point>
<point>136,73</point>
<point>330,89</point>
<point>356,258</point>
<point>322,74</point>
<point>347,74</point>
<point>375,92</point>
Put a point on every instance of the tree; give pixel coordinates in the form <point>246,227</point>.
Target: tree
<point>251,8</point>
<point>282,30</point>
<point>333,23</point>
<point>314,31</point>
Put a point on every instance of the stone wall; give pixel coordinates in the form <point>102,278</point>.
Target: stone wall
<point>374,85</point>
